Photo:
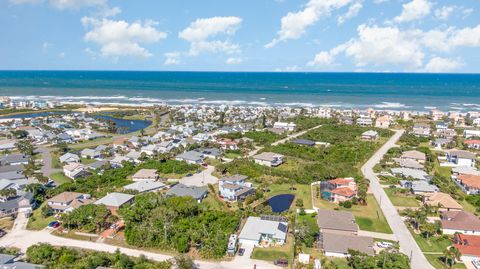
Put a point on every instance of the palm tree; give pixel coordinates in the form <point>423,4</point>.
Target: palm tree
<point>451,254</point>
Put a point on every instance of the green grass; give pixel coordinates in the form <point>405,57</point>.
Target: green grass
<point>87,161</point>
<point>437,262</point>
<point>400,199</point>
<point>60,178</point>
<point>6,223</point>
<point>275,253</point>
<point>37,221</point>
<point>433,244</point>
<point>369,217</point>
<point>55,160</point>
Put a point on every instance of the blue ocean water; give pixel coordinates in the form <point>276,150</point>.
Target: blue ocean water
<point>399,91</point>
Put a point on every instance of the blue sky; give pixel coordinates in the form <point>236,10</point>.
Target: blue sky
<point>247,35</point>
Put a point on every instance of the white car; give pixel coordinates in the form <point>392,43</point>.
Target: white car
<point>476,263</point>
<point>384,245</point>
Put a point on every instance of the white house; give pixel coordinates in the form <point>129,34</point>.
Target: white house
<point>268,159</point>
<point>263,229</point>
<point>74,170</point>
<point>471,133</point>
<point>234,187</point>
<point>461,158</point>
<point>288,126</point>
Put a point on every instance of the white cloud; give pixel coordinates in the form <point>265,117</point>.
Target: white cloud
<point>21,2</point>
<point>120,38</point>
<point>467,12</point>
<point>441,65</point>
<point>352,12</point>
<point>76,4</point>
<point>322,59</point>
<point>414,10</point>
<point>292,68</point>
<point>200,32</point>
<point>46,47</point>
<point>468,37</point>
<point>234,60</point>
<point>172,58</point>
<point>293,24</point>
<point>444,12</point>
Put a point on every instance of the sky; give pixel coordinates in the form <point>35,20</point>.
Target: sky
<point>242,35</point>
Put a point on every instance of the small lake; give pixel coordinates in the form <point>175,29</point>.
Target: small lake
<point>126,126</point>
<point>280,203</point>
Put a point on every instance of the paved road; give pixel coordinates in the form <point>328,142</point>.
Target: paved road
<point>22,239</point>
<point>201,179</point>
<point>407,243</point>
<point>47,168</point>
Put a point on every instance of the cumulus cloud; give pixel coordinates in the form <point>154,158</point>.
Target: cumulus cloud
<point>414,10</point>
<point>444,12</point>
<point>353,11</point>
<point>442,65</point>
<point>234,60</point>
<point>172,58</point>
<point>201,31</point>
<point>120,38</point>
<point>294,24</point>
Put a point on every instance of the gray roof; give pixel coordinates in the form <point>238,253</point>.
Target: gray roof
<point>463,154</point>
<point>5,258</point>
<point>465,170</point>
<point>13,202</point>
<point>67,156</point>
<point>341,243</point>
<point>256,226</point>
<point>12,175</point>
<point>98,164</point>
<point>21,265</point>
<point>191,156</point>
<point>336,220</point>
<point>304,142</point>
<point>115,199</point>
<point>408,163</point>
<point>183,190</point>
<point>234,178</point>
<point>420,186</point>
<point>14,158</point>
<point>209,151</point>
<point>9,168</point>
<point>144,186</point>
<point>414,173</point>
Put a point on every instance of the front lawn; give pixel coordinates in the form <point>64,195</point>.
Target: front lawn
<point>437,262</point>
<point>275,253</point>
<point>60,178</point>
<point>369,217</point>
<point>37,221</point>
<point>433,244</point>
<point>6,223</point>
<point>401,199</point>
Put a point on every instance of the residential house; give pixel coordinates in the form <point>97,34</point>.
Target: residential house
<point>115,200</point>
<point>470,184</point>
<point>414,155</point>
<point>7,144</point>
<point>383,121</point>
<point>145,174</point>
<point>165,146</point>
<point>118,160</point>
<point>91,153</point>
<point>436,114</point>
<point>268,159</point>
<point>468,246</point>
<point>20,204</point>
<point>472,143</point>
<point>212,153</point>
<point>14,159</point>
<point>440,143</point>
<point>150,150</point>
<point>461,158</point>
<point>443,200</point>
<point>75,170</point>
<point>304,142</point>
<point>145,186</point>
<point>419,186</point>
<point>260,230</point>
<point>191,157</point>
<point>364,121</point>
<point>408,163</point>
<point>340,190</point>
<point>370,135</point>
<point>422,130</point>
<point>338,245</point>
<point>227,144</point>
<point>287,126</point>
<point>336,222</point>
<point>459,222</point>
<point>134,156</point>
<point>441,125</point>
<point>68,201</point>
<point>235,187</point>
<point>410,173</point>
<point>471,133</point>
<point>69,158</point>
<point>9,262</point>
<point>197,193</point>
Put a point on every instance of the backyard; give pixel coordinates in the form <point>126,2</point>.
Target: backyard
<point>274,253</point>
<point>401,199</point>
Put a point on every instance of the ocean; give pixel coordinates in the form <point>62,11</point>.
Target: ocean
<point>392,91</point>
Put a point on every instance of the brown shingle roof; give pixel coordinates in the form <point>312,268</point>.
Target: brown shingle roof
<point>460,220</point>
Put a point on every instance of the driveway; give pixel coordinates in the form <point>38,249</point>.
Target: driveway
<point>47,168</point>
<point>201,179</point>
<point>407,244</point>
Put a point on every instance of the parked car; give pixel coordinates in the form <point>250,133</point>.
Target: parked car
<point>53,224</point>
<point>205,164</point>
<point>189,175</point>
<point>384,245</point>
<point>281,262</point>
<point>2,233</point>
<point>241,251</point>
<point>476,263</point>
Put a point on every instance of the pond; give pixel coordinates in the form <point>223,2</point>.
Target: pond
<point>280,203</point>
<point>126,126</point>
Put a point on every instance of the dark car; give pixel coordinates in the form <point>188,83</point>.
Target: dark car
<point>241,251</point>
<point>281,262</point>
<point>54,224</point>
<point>189,175</point>
<point>2,233</point>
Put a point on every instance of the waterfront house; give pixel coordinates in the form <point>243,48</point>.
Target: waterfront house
<point>265,230</point>
<point>268,159</point>
<point>115,200</point>
<point>459,222</point>
<point>340,190</point>
<point>68,201</point>
<point>235,187</point>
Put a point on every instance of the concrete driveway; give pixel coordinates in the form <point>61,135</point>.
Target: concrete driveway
<point>201,179</point>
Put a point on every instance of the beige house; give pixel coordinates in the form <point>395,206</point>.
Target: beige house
<point>443,200</point>
<point>145,174</point>
<point>68,201</point>
<point>268,159</point>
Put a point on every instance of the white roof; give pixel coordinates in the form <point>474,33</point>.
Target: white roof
<point>145,186</point>
<point>255,227</point>
<point>115,199</point>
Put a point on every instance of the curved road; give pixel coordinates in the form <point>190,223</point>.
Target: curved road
<point>405,238</point>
